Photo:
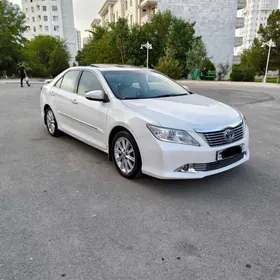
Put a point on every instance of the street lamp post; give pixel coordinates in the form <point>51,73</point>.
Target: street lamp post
<point>270,45</point>
<point>148,46</point>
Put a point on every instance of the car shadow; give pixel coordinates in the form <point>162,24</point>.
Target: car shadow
<point>175,188</point>
<point>217,182</point>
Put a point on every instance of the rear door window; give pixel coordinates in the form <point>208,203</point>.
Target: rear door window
<point>70,81</point>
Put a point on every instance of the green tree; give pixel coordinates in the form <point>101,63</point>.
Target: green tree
<point>46,56</point>
<point>12,26</point>
<point>196,55</point>
<point>59,59</point>
<point>119,43</point>
<point>118,35</point>
<point>272,31</point>
<point>181,39</point>
<point>169,65</point>
<point>255,57</point>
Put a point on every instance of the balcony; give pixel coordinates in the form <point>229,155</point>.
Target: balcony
<point>240,22</point>
<point>104,9</point>
<point>236,59</point>
<point>238,41</point>
<point>241,4</point>
<point>148,3</point>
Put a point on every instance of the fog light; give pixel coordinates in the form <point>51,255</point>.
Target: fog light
<point>183,168</point>
<point>191,169</point>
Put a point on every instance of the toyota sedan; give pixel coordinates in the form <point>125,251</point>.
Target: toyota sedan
<point>145,122</point>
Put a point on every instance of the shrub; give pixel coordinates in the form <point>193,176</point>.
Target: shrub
<point>242,74</point>
<point>208,65</point>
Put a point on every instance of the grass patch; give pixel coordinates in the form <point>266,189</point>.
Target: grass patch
<point>268,80</point>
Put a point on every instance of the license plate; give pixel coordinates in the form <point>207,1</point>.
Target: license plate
<point>230,152</point>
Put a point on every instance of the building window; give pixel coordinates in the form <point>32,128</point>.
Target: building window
<point>126,6</point>
<point>56,28</point>
<point>33,19</point>
<point>46,28</point>
<point>45,18</point>
<point>130,19</point>
<point>130,3</point>
<point>54,8</point>
<point>44,8</point>
<point>34,29</point>
<point>32,9</point>
<point>55,18</point>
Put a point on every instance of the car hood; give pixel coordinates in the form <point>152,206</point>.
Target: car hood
<point>186,112</point>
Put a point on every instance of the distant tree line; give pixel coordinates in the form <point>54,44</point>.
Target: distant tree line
<point>254,59</point>
<point>44,56</point>
<point>177,50</point>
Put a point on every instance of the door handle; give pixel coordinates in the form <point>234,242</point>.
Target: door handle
<point>74,101</point>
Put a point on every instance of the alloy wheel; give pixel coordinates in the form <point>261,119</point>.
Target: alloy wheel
<point>50,122</point>
<point>124,155</point>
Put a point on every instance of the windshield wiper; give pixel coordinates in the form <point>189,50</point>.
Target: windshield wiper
<point>129,98</point>
<point>169,95</point>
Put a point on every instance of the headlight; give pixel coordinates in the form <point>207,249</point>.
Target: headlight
<point>172,135</point>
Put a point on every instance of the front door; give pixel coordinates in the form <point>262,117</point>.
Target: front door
<point>92,115</point>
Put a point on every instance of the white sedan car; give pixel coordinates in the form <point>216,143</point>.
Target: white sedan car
<point>145,122</point>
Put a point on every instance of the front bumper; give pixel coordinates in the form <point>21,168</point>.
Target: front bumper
<point>164,160</point>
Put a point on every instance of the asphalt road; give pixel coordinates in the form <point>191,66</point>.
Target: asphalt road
<point>65,213</point>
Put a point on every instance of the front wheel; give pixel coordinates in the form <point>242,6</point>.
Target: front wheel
<point>126,155</point>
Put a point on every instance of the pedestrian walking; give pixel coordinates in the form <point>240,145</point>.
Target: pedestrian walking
<point>23,75</point>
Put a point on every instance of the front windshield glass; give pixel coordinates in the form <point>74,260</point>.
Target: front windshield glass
<point>141,84</point>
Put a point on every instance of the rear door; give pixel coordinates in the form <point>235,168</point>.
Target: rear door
<point>65,101</point>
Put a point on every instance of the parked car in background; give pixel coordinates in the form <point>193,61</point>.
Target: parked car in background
<point>145,122</point>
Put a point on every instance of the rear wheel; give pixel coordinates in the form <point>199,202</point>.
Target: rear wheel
<point>51,123</point>
<point>126,155</point>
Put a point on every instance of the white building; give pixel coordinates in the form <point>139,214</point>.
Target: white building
<point>255,14</point>
<point>52,17</point>
<point>216,20</point>
<point>78,40</point>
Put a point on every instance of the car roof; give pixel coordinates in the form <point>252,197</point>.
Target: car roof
<point>103,67</point>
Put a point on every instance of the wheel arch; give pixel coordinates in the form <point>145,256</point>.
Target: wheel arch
<point>45,109</point>
<point>113,132</point>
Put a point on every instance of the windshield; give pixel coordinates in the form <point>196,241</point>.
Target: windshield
<point>141,84</point>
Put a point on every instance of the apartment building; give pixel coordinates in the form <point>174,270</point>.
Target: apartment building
<point>78,40</point>
<point>255,14</point>
<point>52,17</point>
<point>135,11</point>
<point>216,20</point>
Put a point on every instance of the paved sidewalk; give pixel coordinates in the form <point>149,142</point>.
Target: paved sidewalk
<point>229,83</point>
<point>17,81</point>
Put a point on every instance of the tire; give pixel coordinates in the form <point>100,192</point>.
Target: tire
<point>51,123</point>
<point>126,156</point>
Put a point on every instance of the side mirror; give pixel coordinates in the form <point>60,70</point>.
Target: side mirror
<point>97,95</point>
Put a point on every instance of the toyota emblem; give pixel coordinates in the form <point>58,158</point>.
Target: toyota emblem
<point>229,135</point>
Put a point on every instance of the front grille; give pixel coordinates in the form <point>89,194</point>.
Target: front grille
<point>217,138</point>
<point>217,164</point>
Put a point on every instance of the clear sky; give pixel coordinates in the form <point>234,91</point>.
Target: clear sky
<point>84,12</point>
